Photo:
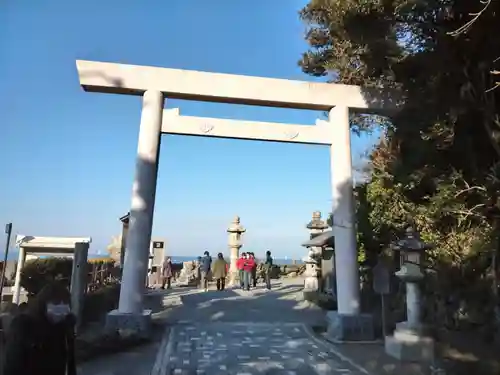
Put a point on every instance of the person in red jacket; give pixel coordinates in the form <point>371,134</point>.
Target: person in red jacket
<point>239,264</point>
<point>248,266</point>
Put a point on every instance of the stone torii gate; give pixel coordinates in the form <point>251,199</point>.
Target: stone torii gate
<point>155,84</point>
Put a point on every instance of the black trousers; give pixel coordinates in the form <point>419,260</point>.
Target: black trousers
<point>254,277</point>
<point>167,281</point>
<point>268,279</point>
<point>221,283</point>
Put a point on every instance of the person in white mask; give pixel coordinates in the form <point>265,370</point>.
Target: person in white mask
<point>40,341</point>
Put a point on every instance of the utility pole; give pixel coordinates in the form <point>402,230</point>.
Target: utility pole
<point>8,232</point>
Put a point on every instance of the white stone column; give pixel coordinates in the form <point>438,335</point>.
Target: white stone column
<point>142,207</point>
<point>17,282</point>
<point>346,253</point>
<point>150,265</point>
<point>413,309</point>
<point>234,231</point>
<point>233,269</point>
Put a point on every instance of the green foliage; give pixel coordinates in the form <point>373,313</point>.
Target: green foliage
<point>39,272</point>
<point>436,166</point>
<point>99,302</point>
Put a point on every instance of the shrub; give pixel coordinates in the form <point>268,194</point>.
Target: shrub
<point>103,259</point>
<point>39,272</point>
<point>99,302</point>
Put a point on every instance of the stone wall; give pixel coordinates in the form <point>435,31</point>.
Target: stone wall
<point>289,270</point>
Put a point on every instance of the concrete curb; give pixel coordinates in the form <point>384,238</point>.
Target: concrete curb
<point>164,351</point>
<point>337,342</point>
<point>333,350</point>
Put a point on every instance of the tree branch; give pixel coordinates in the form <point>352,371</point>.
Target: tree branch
<point>475,16</point>
<point>481,188</point>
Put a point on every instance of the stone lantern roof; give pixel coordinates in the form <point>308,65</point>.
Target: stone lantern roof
<point>317,222</point>
<point>125,218</point>
<point>411,242</point>
<point>324,239</point>
<point>235,226</point>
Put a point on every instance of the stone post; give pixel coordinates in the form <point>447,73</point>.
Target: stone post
<point>235,231</point>
<point>313,260</point>
<point>410,341</point>
<point>79,280</point>
<point>16,295</point>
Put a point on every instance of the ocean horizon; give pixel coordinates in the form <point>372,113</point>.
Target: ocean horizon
<point>13,255</point>
<point>281,261</point>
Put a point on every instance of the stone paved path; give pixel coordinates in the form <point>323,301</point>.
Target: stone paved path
<point>249,333</point>
<point>235,332</point>
<point>248,349</point>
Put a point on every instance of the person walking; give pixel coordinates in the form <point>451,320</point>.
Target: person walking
<point>205,267</point>
<point>41,340</point>
<point>248,266</point>
<point>254,270</point>
<point>241,272</point>
<point>197,271</point>
<point>268,266</point>
<point>166,273</point>
<point>219,271</point>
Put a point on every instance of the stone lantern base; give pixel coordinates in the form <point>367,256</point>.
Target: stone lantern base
<point>136,324</point>
<point>233,278</point>
<point>410,347</point>
<point>410,344</point>
<point>350,327</point>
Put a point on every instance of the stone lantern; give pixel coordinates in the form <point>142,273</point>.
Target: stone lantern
<point>235,231</point>
<point>125,219</point>
<point>409,341</point>
<point>313,259</point>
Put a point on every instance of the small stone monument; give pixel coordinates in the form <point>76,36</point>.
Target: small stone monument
<point>410,342</point>
<point>235,231</point>
<point>188,275</point>
<point>382,286</point>
<point>313,259</point>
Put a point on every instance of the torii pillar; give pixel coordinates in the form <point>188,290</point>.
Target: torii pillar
<point>131,314</point>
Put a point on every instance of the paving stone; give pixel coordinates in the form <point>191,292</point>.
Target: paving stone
<point>256,349</point>
<point>208,340</point>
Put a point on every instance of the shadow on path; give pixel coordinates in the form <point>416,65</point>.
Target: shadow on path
<point>283,304</point>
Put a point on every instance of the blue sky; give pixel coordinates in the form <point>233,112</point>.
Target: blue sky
<point>68,156</point>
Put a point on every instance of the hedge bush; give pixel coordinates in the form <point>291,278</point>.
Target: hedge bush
<point>39,272</point>
<point>99,302</point>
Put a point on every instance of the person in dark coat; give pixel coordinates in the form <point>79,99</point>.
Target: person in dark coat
<point>166,273</point>
<point>219,271</point>
<point>41,340</point>
<point>268,266</point>
<point>253,274</point>
<point>205,269</point>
